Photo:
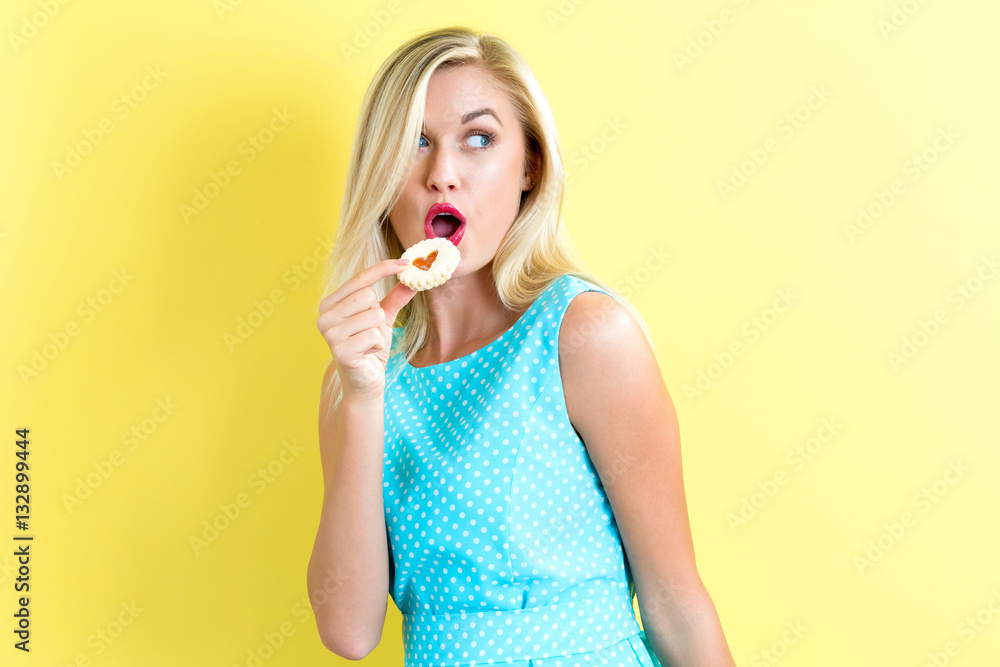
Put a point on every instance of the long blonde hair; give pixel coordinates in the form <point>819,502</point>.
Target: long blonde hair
<point>535,251</point>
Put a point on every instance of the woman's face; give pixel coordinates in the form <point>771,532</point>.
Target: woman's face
<point>470,155</point>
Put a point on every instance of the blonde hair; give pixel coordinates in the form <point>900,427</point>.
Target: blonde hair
<point>535,251</point>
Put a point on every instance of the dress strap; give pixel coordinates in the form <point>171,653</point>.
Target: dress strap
<point>552,303</point>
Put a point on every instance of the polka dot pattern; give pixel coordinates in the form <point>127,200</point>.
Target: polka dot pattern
<point>504,545</point>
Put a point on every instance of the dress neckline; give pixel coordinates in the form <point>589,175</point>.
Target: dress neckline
<point>496,340</point>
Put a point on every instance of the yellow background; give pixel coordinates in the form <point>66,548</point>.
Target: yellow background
<point>647,137</point>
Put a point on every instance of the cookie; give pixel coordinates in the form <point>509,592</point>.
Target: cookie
<point>432,263</point>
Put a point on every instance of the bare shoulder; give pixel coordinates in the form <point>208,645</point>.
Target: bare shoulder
<point>603,352</point>
<point>597,328</point>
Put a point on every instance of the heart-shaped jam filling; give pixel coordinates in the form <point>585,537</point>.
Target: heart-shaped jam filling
<point>425,263</point>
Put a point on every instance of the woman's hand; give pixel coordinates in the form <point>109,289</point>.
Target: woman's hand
<point>358,328</point>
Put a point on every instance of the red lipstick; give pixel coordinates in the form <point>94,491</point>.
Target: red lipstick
<point>438,209</point>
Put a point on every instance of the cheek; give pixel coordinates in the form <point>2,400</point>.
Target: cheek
<point>408,204</point>
<point>499,182</point>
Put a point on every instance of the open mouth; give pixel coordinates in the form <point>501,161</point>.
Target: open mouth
<point>445,224</point>
<point>445,221</point>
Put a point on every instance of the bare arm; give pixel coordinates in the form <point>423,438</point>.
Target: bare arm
<point>618,402</point>
<point>348,575</point>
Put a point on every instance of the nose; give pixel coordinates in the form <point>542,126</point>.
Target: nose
<point>442,173</point>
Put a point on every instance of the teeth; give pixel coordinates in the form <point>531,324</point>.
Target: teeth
<point>451,213</point>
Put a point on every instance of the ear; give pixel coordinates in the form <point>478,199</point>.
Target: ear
<point>532,173</point>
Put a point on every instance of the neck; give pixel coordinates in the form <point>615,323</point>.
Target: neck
<point>465,314</point>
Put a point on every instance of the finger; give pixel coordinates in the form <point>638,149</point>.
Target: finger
<point>364,342</point>
<point>358,302</point>
<point>394,301</point>
<point>345,328</point>
<point>365,278</point>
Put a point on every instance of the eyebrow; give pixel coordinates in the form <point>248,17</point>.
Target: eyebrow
<point>476,114</point>
<point>480,112</point>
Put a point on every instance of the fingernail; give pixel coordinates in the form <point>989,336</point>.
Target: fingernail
<point>402,262</point>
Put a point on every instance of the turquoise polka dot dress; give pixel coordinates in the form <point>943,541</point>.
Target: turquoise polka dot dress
<point>504,548</point>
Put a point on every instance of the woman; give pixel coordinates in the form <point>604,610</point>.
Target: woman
<point>489,462</point>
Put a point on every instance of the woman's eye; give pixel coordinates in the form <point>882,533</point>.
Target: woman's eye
<point>485,140</point>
